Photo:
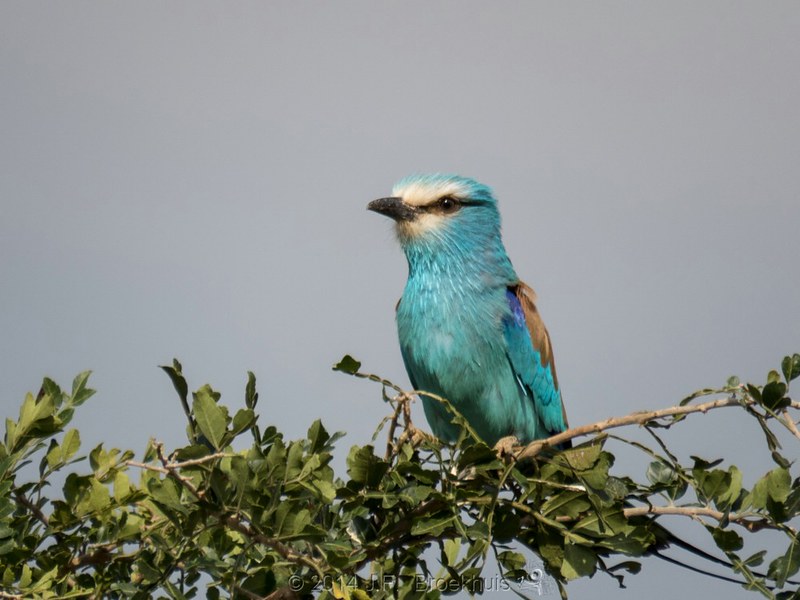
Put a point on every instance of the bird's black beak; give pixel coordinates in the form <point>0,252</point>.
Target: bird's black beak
<point>394,208</point>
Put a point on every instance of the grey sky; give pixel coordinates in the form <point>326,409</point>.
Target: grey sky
<point>190,179</point>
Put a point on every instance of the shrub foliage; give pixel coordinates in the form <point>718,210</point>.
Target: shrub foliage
<point>242,512</point>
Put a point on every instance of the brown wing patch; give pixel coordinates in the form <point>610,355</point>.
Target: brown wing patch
<point>538,332</point>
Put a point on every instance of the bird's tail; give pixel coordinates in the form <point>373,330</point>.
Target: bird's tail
<point>665,538</point>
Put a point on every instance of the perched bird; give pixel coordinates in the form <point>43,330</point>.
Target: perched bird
<point>469,329</point>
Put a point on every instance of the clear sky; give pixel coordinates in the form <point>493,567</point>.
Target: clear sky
<point>190,179</point>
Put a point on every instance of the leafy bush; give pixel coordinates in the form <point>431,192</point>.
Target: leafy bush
<point>241,512</point>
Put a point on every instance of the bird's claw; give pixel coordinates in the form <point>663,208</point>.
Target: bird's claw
<point>418,437</point>
<point>505,446</point>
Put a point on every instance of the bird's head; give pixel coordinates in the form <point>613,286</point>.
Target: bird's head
<point>439,212</point>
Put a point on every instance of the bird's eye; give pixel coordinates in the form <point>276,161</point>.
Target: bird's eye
<point>448,204</point>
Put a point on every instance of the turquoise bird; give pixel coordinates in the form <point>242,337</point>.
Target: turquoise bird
<point>469,328</point>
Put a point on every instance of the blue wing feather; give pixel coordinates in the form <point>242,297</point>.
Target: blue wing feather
<point>530,355</point>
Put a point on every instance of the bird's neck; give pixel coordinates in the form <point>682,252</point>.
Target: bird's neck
<point>455,267</point>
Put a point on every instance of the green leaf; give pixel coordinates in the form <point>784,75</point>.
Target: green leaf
<point>511,560</point>
<point>71,444</point>
<point>567,503</point>
<point>211,418</point>
<point>326,489</point>
<point>348,365</point>
<point>451,548</point>
<point>94,498</point>
<point>318,436</point>
<point>431,526</point>
<point>583,457</point>
<point>727,540</point>
<point>772,396</point>
<point>775,486</point>
<point>726,499</point>
<point>779,483</point>
<point>122,486</point>
<point>785,566</point>
<point>579,561</point>
<point>167,493</point>
<point>80,392</point>
<point>53,456</point>
<point>34,410</point>
<point>174,371</point>
<point>364,467</point>
<point>506,526</point>
<point>250,393</point>
<point>661,473</point>
<point>477,454</point>
<point>714,484</point>
<point>791,367</point>
<point>243,420</point>
<point>756,559</point>
<point>597,476</point>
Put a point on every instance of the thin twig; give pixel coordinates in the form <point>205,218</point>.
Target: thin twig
<point>178,465</point>
<point>790,424</point>
<point>35,510</point>
<point>637,418</point>
<point>399,400</point>
<point>742,520</point>
<point>173,472</point>
<point>749,524</point>
<point>285,551</point>
<point>146,466</point>
<point>172,469</point>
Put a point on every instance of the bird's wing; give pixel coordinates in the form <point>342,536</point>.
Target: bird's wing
<point>531,357</point>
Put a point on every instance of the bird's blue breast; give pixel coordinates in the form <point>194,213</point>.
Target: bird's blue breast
<point>452,337</point>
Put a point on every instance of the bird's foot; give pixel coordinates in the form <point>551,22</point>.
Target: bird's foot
<point>505,446</point>
<point>418,437</point>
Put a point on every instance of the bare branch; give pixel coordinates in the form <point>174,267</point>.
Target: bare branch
<point>790,424</point>
<point>399,401</point>
<point>745,521</point>
<point>173,472</point>
<point>172,469</point>
<point>177,465</point>
<point>637,418</point>
<point>146,466</point>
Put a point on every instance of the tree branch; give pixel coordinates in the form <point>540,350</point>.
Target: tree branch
<point>742,520</point>
<point>790,424</point>
<point>172,469</point>
<point>35,510</point>
<point>235,522</point>
<point>637,418</point>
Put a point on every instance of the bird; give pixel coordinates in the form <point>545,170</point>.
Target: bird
<point>469,328</point>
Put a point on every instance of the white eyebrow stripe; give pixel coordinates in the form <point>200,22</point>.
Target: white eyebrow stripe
<point>422,194</point>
